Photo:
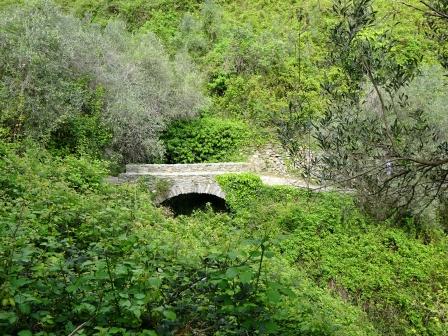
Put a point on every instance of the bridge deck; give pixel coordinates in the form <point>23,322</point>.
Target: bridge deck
<point>228,167</point>
<point>199,177</point>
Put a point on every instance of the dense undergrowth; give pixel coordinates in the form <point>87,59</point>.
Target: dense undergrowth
<point>78,252</point>
<point>396,275</point>
<point>258,56</point>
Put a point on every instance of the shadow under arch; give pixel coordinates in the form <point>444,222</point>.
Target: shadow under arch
<point>185,204</point>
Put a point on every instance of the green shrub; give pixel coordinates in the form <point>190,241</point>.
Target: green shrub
<point>83,133</point>
<point>58,72</point>
<point>241,189</point>
<point>76,250</point>
<point>206,139</point>
<point>78,253</point>
<point>398,279</point>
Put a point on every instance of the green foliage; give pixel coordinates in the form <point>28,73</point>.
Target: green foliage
<point>374,137</point>
<point>259,75</point>
<point>252,47</point>
<point>36,86</point>
<point>84,133</point>
<point>137,14</point>
<point>79,253</point>
<point>76,250</point>
<point>241,189</point>
<point>436,14</point>
<point>399,281</point>
<point>392,276</point>
<point>206,139</point>
<point>58,72</point>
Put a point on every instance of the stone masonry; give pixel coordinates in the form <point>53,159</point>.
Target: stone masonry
<point>197,178</point>
<point>185,178</point>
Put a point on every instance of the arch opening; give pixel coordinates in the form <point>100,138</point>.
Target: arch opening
<point>185,204</point>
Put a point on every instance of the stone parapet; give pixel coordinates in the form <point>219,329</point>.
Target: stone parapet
<point>200,178</point>
<point>229,167</point>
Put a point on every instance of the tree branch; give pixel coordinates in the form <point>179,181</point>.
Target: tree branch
<point>382,104</point>
<point>423,162</point>
<point>435,11</point>
<point>432,10</point>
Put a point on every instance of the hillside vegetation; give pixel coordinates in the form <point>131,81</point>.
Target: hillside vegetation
<point>354,91</point>
<point>282,262</point>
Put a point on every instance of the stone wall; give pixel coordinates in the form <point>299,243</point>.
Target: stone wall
<point>271,159</point>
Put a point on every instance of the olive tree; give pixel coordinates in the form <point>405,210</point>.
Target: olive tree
<point>374,137</point>
<point>51,64</point>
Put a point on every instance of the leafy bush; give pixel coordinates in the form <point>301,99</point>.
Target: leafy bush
<point>206,139</point>
<point>241,189</point>
<point>65,260</point>
<point>398,280</point>
<point>53,64</point>
<point>138,14</point>
<point>84,133</point>
<point>78,254</point>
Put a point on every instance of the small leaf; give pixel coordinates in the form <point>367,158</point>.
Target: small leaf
<point>273,295</point>
<point>17,283</point>
<point>24,333</point>
<point>136,311</point>
<point>270,326</point>
<point>169,315</point>
<point>255,254</point>
<point>245,277</point>
<point>8,316</point>
<point>154,282</point>
<point>233,255</point>
<point>140,296</point>
<point>125,303</point>
<point>231,273</point>
<point>25,308</point>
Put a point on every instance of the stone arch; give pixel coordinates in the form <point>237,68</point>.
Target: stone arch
<point>193,188</point>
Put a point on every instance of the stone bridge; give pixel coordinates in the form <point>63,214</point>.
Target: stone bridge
<point>198,178</point>
<point>186,178</point>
